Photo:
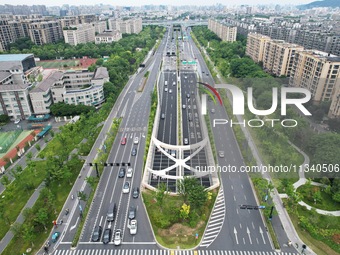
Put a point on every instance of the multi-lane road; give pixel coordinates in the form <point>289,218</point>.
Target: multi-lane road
<point>231,230</point>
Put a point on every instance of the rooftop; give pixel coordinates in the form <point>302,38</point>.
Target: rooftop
<point>101,73</point>
<point>13,57</point>
<point>48,82</point>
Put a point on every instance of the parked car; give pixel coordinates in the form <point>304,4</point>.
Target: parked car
<point>133,227</point>
<point>16,121</point>
<point>107,236</point>
<point>97,232</point>
<point>135,192</point>
<point>118,237</point>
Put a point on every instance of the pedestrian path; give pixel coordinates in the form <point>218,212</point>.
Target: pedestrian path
<point>216,220</point>
<point>114,251</point>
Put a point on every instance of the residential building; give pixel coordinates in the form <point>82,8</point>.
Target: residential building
<point>45,32</point>
<point>79,34</point>
<point>319,72</point>
<point>256,44</point>
<point>225,32</point>
<point>278,57</point>
<point>100,26</point>
<point>108,37</point>
<point>14,85</point>
<point>126,26</point>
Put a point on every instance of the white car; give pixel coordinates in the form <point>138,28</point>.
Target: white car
<point>126,188</point>
<point>133,227</point>
<point>166,89</point>
<point>136,140</point>
<point>16,121</point>
<point>129,172</point>
<point>118,237</point>
<point>221,154</point>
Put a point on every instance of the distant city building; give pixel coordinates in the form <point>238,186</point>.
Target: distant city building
<point>223,31</point>
<point>128,26</point>
<point>83,33</point>
<point>15,84</point>
<point>100,26</point>
<point>108,37</point>
<point>45,32</point>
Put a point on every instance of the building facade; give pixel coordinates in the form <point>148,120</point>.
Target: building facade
<point>83,33</point>
<point>256,44</point>
<point>45,32</point>
<point>225,32</point>
<point>128,26</point>
<point>108,37</point>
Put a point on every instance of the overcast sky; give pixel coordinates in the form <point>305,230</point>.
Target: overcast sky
<point>155,2</point>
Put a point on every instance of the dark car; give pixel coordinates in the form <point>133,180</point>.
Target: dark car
<point>97,234</point>
<point>121,173</point>
<point>132,212</point>
<point>135,192</point>
<point>134,152</point>
<point>107,236</point>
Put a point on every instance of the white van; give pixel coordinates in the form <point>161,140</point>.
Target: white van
<point>165,83</point>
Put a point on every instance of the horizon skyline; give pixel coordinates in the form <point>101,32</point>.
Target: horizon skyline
<point>228,3</point>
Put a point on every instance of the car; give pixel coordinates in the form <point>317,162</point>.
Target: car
<point>174,83</point>
<point>16,121</point>
<point>132,212</point>
<point>207,74</point>
<point>97,232</point>
<point>121,172</point>
<point>136,140</point>
<point>123,142</point>
<point>170,91</point>
<point>202,71</point>
<point>163,116</point>
<point>129,172</point>
<point>133,227</point>
<point>118,237</point>
<point>134,152</point>
<point>185,77</point>
<point>126,188</point>
<point>184,106</point>
<point>212,110</point>
<point>107,236</point>
<point>55,236</point>
<point>188,95</point>
<point>173,153</point>
<point>166,89</point>
<point>221,154</point>
<point>186,141</point>
<point>135,192</point>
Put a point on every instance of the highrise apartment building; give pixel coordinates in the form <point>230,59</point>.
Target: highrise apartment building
<point>256,44</point>
<point>128,26</point>
<point>278,57</point>
<point>45,32</point>
<point>79,34</point>
<point>225,32</point>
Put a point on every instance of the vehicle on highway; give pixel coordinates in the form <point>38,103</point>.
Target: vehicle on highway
<point>184,106</point>
<point>163,116</point>
<point>134,152</point>
<point>207,74</point>
<point>212,110</point>
<point>190,117</point>
<point>118,237</point>
<point>121,172</point>
<point>136,140</point>
<point>173,153</point>
<point>188,95</point>
<point>166,89</point>
<point>185,77</point>
<point>186,141</point>
<point>55,236</point>
<point>221,154</point>
<point>111,212</point>
<point>174,83</point>
<point>126,187</point>
<point>107,236</point>
<point>123,142</point>
<point>132,212</point>
<point>133,227</point>
<point>129,172</point>
<point>165,83</point>
<point>170,91</point>
<point>135,192</point>
<point>97,232</point>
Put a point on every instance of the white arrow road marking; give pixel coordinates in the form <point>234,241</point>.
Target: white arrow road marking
<point>261,232</point>
<point>248,232</point>
<point>74,225</point>
<point>235,232</point>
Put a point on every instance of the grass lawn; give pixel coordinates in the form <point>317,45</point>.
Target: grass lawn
<point>326,203</point>
<point>58,63</point>
<point>317,242</point>
<point>16,195</point>
<point>177,234</point>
